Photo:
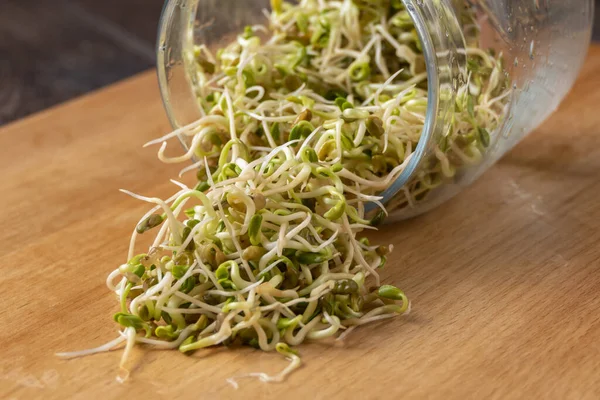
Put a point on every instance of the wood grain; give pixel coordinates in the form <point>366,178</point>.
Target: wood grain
<point>504,278</point>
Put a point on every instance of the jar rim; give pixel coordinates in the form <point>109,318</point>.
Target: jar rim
<point>427,133</point>
<point>443,46</point>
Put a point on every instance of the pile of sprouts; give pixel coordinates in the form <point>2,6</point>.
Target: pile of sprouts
<point>305,120</point>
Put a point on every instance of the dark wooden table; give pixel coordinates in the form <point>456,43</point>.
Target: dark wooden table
<point>52,51</point>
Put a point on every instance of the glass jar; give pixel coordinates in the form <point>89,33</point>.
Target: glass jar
<point>543,43</point>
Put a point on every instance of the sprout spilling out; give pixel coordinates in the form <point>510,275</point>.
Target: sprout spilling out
<point>304,121</point>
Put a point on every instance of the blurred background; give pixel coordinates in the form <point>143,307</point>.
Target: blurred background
<point>55,50</point>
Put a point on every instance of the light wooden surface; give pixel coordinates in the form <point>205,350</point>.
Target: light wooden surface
<point>504,278</point>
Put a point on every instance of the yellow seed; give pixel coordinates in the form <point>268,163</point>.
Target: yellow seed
<point>253,253</point>
<point>208,255</point>
<point>382,250</point>
<point>259,201</point>
<point>326,150</point>
<point>236,203</point>
<point>220,257</point>
<point>305,115</point>
<point>292,82</point>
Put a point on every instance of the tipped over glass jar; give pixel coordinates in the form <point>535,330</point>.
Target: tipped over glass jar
<point>405,102</point>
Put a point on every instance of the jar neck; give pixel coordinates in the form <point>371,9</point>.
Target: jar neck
<point>443,44</point>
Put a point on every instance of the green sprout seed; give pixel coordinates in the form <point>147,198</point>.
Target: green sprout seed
<point>311,258</point>
<point>151,222</point>
<point>375,126</point>
<point>308,155</point>
<point>351,114</point>
<point>382,250</point>
<point>402,20</point>
<point>139,270</point>
<point>222,273</point>
<point>391,292</point>
<point>484,136</point>
<point>301,130</point>
<point>191,223</point>
<point>254,229</point>
<point>179,271</point>
<point>186,233</point>
<point>248,32</point>
<point>378,218</point>
<point>285,323</point>
<point>343,104</point>
<point>166,317</point>
<point>253,253</point>
<point>129,320</point>
<point>346,286</point>
<point>184,347</point>
<point>144,313</point>
<point>202,187</point>
<point>359,71</point>
<point>167,332</point>
<point>188,284</point>
<point>292,82</point>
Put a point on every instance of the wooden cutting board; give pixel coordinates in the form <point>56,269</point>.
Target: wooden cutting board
<point>504,279</point>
